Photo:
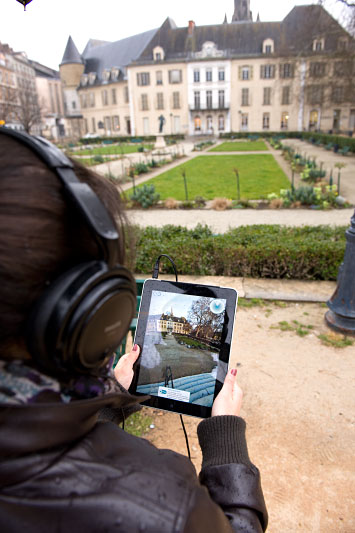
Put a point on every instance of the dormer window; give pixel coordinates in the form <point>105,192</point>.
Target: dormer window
<point>92,78</point>
<point>158,53</point>
<point>115,73</point>
<point>342,44</point>
<point>318,45</point>
<point>84,80</point>
<point>106,75</point>
<point>268,46</point>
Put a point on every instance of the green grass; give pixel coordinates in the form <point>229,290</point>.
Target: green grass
<point>138,423</point>
<point>213,176</point>
<point>251,146</point>
<point>109,150</point>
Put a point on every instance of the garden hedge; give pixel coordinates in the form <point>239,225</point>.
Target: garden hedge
<point>323,138</point>
<point>265,251</point>
<point>130,139</point>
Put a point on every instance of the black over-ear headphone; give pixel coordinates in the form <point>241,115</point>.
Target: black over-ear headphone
<point>82,317</point>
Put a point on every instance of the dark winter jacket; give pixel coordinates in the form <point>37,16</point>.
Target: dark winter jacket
<point>62,470</point>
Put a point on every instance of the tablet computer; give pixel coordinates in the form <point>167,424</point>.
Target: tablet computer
<point>185,333</point>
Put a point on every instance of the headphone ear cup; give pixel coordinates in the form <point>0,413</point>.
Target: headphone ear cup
<point>81,318</point>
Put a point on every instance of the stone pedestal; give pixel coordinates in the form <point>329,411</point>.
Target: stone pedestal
<point>160,142</point>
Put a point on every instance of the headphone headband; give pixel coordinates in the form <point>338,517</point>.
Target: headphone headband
<point>81,195</point>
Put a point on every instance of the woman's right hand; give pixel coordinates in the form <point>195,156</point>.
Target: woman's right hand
<point>229,399</point>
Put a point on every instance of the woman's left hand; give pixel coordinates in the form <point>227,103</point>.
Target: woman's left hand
<point>124,369</point>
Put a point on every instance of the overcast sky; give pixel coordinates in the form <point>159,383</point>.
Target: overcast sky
<point>42,31</point>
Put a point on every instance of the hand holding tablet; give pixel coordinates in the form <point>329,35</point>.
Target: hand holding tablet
<point>185,333</point>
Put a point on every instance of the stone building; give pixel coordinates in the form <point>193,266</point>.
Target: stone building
<point>296,74</point>
<point>50,98</point>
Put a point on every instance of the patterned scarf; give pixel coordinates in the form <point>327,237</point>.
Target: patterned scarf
<point>21,384</point>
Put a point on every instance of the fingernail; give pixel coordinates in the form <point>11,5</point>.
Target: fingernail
<point>135,347</point>
<point>234,371</point>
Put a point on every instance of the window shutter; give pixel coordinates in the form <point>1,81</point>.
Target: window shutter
<point>262,71</point>
<point>251,71</point>
<point>240,73</point>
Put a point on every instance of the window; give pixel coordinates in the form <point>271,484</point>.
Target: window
<point>221,122</point>
<point>176,100</point>
<point>144,102</point>
<point>160,100</point>
<point>244,121</point>
<point>342,44</point>
<point>104,97</point>
<point>143,78</point>
<point>268,49</point>
<point>86,125</point>
<point>318,45</point>
<point>159,77</point>
<point>285,100</point>
<point>158,56</point>
<point>158,53</point>
<point>146,128</point>
<point>267,96</point>
<point>126,95</point>
<point>317,69</point>
<point>196,76</point>
<point>245,96</point>
<point>209,123</point>
<point>208,74</point>
<point>221,99</point>
<point>314,94</point>
<point>338,96</point>
<point>266,121</point>
<point>336,119</point>
<point>73,104</point>
<point>221,75</point>
<point>245,73</point>
<point>313,118</point>
<point>197,123</point>
<point>93,125</point>
<point>209,99</point>
<point>106,75</point>
<point>343,68</point>
<point>267,71</point>
<point>114,97</point>
<point>107,123</point>
<point>286,70</point>
<point>115,123</point>
<point>268,46</point>
<point>284,120</point>
<point>197,99</point>
<point>84,100</point>
<point>175,76</point>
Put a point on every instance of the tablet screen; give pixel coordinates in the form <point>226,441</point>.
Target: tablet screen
<point>181,347</point>
<point>184,345</point>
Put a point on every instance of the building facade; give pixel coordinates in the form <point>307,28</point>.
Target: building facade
<point>297,74</point>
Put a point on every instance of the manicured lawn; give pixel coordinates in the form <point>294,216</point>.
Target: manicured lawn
<point>213,176</point>
<point>115,149</point>
<point>249,146</point>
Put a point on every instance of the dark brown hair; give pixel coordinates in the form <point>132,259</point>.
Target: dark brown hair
<point>41,235</point>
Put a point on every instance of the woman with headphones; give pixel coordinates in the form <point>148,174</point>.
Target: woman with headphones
<point>66,302</point>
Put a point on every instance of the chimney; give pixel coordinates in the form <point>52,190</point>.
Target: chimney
<point>191,27</point>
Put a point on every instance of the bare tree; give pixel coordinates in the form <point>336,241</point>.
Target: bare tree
<point>21,105</point>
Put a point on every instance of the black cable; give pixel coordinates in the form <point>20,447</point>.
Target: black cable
<point>155,276</point>
<point>156,267</point>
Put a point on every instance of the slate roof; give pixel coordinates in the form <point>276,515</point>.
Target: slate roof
<point>98,57</point>
<point>71,54</point>
<point>293,35</point>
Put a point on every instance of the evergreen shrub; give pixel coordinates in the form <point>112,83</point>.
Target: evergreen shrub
<point>260,251</point>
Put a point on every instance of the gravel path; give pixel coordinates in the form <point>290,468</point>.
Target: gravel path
<point>221,221</point>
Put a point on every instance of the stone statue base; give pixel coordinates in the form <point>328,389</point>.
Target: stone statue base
<point>160,142</point>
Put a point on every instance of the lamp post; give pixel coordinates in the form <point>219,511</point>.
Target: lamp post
<point>341,314</point>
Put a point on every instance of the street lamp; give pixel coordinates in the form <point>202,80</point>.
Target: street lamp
<point>341,314</point>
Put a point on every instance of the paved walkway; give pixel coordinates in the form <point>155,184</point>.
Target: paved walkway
<point>221,221</point>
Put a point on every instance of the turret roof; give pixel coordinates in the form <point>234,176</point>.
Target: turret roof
<point>71,54</point>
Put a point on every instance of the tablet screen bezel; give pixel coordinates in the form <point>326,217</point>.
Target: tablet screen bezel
<point>226,293</point>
